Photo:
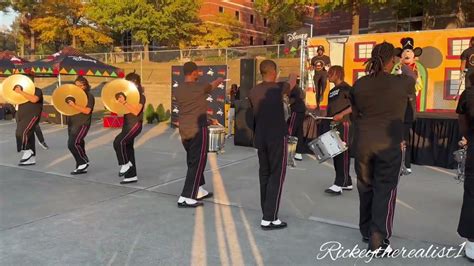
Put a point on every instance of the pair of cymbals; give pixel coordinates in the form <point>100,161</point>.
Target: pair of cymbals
<point>9,84</point>
<point>117,87</point>
<point>67,92</point>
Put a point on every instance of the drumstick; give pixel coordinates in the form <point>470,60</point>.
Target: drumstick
<point>225,80</point>
<point>321,117</point>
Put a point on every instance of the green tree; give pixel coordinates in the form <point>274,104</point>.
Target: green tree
<point>150,113</point>
<point>283,16</point>
<point>165,21</point>
<point>63,21</point>
<point>29,10</point>
<point>354,7</point>
<point>219,33</point>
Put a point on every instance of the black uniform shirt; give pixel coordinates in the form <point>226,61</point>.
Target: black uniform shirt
<point>319,62</point>
<point>297,100</point>
<point>468,55</point>
<point>379,104</point>
<point>29,109</point>
<point>81,118</point>
<point>191,99</point>
<point>129,120</point>
<point>339,100</point>
<point>267,103</point>
<point>466,107</point>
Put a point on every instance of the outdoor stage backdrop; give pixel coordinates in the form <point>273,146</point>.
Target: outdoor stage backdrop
<point>216,99</point>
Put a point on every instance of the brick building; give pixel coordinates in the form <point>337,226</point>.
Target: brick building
<point>254,27</point>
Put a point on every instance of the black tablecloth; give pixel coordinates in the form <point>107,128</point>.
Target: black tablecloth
<point>434,138</point>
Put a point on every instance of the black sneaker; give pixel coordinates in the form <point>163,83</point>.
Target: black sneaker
<point>43,145</point>
<point>129,180</point>
<point>273,226</point>
<point>184,204</point>
<point>384,250</point>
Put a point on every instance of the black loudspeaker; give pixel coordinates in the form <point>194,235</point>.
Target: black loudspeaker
<point>244,122</point>
<point>247,76</point>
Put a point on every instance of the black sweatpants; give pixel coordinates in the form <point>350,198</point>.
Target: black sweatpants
<point>320,81</point>
<point>406,137</point>
<point>295,128</point>
<point>123,146</point>
<point>196,159</point>
<point>39,133</point>
<point>466,221</point>
<point>76,144</point>
<point>467,83</point>
<point>342,162</point>
<point>272,158</point>
<point>25,139</point>
<point>378,173</point>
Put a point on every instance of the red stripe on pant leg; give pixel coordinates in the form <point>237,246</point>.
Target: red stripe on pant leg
<point>28,128</point>
<point>122,146</point>
<point>389,215</point>
<point>394,202</point>
<point>282,175</point>
<point>346,153</point>
<point>76,142</point>
<point>198,175</point>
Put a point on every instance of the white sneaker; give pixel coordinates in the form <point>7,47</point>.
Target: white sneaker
<point>43,145</point>
<point>347,187</point>
<point>469,249</point>
<point>129,180</point>
<point>409,170</point>
<point>29,161</point>
<point>83,166</point>
<point>187,200</point>
<point>202,193</point>
<point>26,155</point>
<point>335,190</point>
<point>298,157</point>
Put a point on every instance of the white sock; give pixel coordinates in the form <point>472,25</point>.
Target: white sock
<point>335,188</point>
<point>202,192</point>
<point>187,200</point>
<point>26,154</point>
<point>125,167</point>
<point>265,223</point>
<point>469,249</point>
<point>82,166</point>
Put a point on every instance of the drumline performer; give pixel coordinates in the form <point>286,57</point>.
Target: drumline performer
<point>191,100</point>
<point>27,118</point>
<point>339,107</point>
<point>465,109</point>
<point>132,126</point>
<point>271,137</point>
<point>295,123</point>
<point>378,143</point>
<point>320,63</point>
<point>78,126</point>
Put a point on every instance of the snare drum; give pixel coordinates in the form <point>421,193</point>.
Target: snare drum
<point>292,141</point>
<point>327,146</point>
<point>216,138</point>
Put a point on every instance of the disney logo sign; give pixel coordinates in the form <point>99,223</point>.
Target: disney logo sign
<point>80,58</point>
<point>295,36</point>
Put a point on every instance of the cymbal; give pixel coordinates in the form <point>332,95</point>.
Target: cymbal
<point>9,83</point>
<point>64,93</point>
<point>115,87</point>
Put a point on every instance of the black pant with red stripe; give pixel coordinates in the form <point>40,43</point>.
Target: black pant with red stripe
<point>76,143</point>
<point>342,162</point>
<point>123,146</point>
<point>295,128</point>
<point>272,159</point>
<point>466,220</point>
<point>320,82</point>
<point>25,130</point>
<point>377,179</point>
<point>196,159</point>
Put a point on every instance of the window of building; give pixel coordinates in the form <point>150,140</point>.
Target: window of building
<point>456,46</point>
<point>221,9</point>
<point>452,82</point>
<point>237,15</point>
<point>251,19</point>
<point>363,50</point>
<point>265,42</point>
<point>251,40</point>
<point>265,22</point>
<point>357,74</point>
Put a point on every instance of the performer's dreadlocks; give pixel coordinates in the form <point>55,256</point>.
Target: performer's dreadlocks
<point>381,54</point>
